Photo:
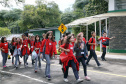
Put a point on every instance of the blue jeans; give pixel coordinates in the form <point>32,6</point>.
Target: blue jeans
<point>36,61</point>
<point>16,60</point>
<point>25,59</point>
<point>47,69</point>
<point>12,59</point>
<point>4,55</point>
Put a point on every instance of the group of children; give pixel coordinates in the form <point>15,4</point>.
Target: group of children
<point>69,44</point>
<point>46,48</point>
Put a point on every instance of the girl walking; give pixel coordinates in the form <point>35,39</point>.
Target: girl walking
<point>48,48</point>
<point>37,49</point>
<point>81,52</point>
<point>18,52</point>
<point>4,48</point>
<point>71,60</point>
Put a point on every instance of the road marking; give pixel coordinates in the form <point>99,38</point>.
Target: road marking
<point>96,71</point>
<point>107,73</point>
<point>26,77</point>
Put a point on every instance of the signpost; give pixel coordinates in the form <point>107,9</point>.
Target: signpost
<point>62,28</point>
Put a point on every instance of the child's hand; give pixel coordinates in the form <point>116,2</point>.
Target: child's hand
<point>55,56</point>
<point>2,49</point>
<point>40,55</point>
<point>95,44</point>
<point>67,50</point>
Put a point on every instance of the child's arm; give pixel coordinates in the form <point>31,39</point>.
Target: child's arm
<point>62,48</point>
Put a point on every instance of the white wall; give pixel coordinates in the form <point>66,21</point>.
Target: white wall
<point>111,5</point>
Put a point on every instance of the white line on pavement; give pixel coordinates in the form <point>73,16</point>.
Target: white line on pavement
<point>26,77</point>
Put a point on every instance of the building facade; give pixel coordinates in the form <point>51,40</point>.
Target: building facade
<point>117,26</point>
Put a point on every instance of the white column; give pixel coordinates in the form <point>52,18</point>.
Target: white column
<point>87,32</point>
<point>96,35</point>
<point>106,31</point>
<point>100,32</point>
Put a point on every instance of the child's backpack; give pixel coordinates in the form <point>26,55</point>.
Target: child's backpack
<point>88,46</point>
<point>106,43</point>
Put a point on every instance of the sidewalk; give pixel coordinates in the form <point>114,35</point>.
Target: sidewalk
<point>114,56</point>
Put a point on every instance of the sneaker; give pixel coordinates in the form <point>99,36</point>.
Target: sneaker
<point>102,59</point>
<point>79,80</point>
<point>12,63</point>
<point>40,68</point>
<point>105,59</point>
<point>16,67</point>
<point>48,77</point>
<point>4,66</point>
<point>99,65</point>
<point>87,78</point>
<point>26,63</point>
<point>35,71</point>
<point>66,80</point>
<point>87,63</point>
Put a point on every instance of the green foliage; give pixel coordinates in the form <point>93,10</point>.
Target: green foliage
<point>40,16</point>
<point>9,18</point>
<point>85,8</point>
<point>7,3</point>
<point>4,31</point>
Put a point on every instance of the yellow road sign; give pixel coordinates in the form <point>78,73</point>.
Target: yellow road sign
<point>62,28</point>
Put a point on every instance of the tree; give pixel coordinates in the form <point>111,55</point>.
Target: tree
<point>4,31</point>
<point>6,3</point>
<point>9,18</point>
<point>40,16</point>
<point>86,8</point>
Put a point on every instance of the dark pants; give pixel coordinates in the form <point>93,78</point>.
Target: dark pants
<point>104,53</point>
<point>93,54</point>
<point>82,60</point>
<point>72,63</point>
<point>4,55</point>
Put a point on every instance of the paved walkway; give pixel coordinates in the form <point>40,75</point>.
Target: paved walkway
<point>114,56</point>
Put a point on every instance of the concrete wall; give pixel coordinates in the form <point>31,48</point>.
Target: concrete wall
<point>117,28</point>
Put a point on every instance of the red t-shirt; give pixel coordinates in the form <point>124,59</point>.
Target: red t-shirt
<point>32,44</point>
<point>84,40</point>
<point>103,40</point>
<point>50,45</point>
<point>92,47</point>
<point>70,46</point>
<point>25,42</point>
<point>5,47</point>
<point>14,43</point>
<point>37,45</point>
<point>18,45</point>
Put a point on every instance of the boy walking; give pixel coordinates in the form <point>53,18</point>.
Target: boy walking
<point>92,44</point>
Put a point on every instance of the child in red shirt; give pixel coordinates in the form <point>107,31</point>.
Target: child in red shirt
<point>68,48</point>
<point>37,46</point>
<point>104,38</point>
<point>92,44</point>
<point>48,47</point>
<point>17,51</point>
<point>32,46</point>
<point>4,49</point>
<point>13,43</point>
<point>25,49</point>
